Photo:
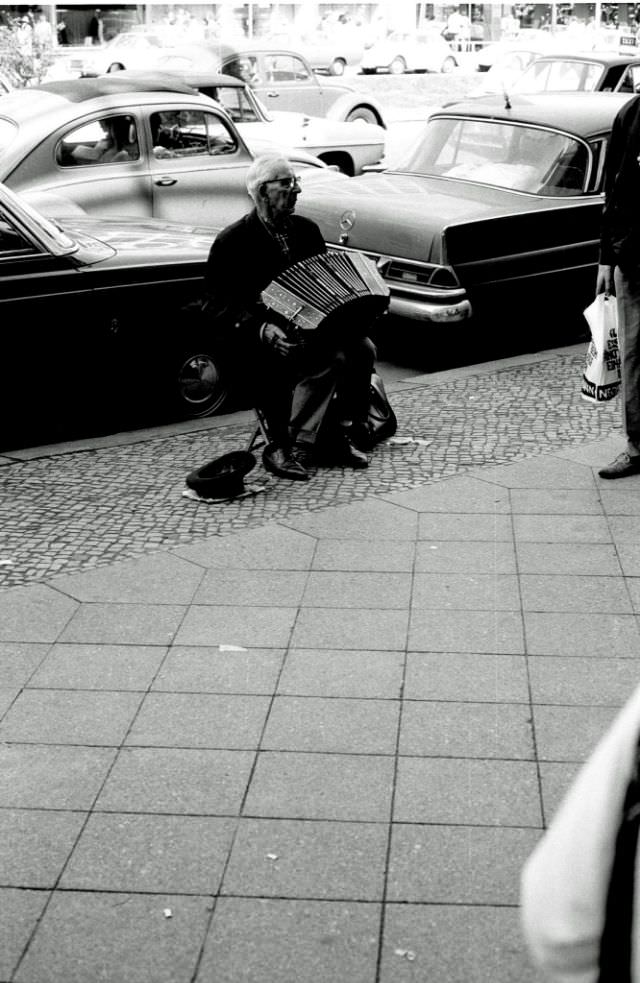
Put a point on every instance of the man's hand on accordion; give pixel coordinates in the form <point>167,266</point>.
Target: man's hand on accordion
<point>277,339</point>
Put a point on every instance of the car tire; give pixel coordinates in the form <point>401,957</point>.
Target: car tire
<point>116,66</point>
<point>398,66</point>
<point>364,113</point>
<point>198,381</point>
<point>448,65</point>
<point>337,66</point>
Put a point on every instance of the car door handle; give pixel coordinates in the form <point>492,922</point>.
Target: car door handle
<point>166,182</point>
<point>273,95</point>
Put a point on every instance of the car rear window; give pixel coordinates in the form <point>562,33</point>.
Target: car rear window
<point>8,133</point>
<point>516,157</point>
<point>560,76</point>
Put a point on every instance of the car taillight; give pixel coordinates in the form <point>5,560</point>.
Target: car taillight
<point>419,275</point>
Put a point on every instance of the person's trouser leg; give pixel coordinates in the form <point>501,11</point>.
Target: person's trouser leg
<point>311,398</point>
<point>628,305</point>
<point>358,359</point>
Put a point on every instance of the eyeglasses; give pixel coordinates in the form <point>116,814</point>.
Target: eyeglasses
<point>285,183</point>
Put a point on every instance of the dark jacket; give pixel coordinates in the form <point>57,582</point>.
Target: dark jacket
<point>243,260</point>
<point>620,232</point>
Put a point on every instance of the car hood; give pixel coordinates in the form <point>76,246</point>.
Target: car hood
<point>406,215</point>
<point>153,241</point>
<point>314,130</point>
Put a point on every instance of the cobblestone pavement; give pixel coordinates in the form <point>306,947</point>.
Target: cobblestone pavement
<point>70,512</point>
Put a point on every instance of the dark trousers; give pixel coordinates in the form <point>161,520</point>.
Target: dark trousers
<point>295,392</point>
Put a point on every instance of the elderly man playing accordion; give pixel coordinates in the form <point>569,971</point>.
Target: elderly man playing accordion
<point>294,381</point>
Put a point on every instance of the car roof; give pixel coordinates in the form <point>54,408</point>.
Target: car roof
<point>189,80</point>
<point>581,113</point>
<point>79,90</point>
<point>600,57</point>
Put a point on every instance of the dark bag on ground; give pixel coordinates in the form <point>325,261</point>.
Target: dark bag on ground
<point>382,420</point>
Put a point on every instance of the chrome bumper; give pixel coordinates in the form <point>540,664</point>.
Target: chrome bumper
<point>424,310</point>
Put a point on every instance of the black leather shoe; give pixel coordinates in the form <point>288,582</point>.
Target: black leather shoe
<point>304,455</point>
<point>348,454</point>
<point>279,462</point>
<point>623,466</point>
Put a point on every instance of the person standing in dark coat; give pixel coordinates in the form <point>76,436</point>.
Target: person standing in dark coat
<point>293,381</point>
<point>619,271</point>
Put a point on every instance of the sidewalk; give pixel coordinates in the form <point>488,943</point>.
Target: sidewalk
<point>313,735</point>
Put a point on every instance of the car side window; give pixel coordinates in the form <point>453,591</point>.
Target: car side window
<point>13,245</point>
<point>285,68</point>
<point>190,133</point>
<point>109,140</point>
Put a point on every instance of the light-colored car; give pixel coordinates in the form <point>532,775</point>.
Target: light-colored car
<point>130,49</point>
<point>282,79</point>
<point>115,147</point>
<point>346,146</point>
<point>496,212</point>
<point>332,52</point>
<point>399,53</point>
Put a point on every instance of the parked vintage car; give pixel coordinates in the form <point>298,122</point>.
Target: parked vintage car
<point>114,146</point>
<point>346,146</point>
<point>332,52</point>
<point>282,79</point>
<point>593,71</point>
<point>97,328</point>
<point>495,213</point>
<point>399,53</point>
<point>130,49</point>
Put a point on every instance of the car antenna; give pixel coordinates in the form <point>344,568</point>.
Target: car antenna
<point>507,101</point>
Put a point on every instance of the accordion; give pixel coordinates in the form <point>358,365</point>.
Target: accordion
<point>327,290</point>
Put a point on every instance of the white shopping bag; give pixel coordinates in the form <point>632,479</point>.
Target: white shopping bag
<point>601,379</point>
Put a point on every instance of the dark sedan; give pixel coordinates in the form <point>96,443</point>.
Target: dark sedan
<point>594,71</point>
<point>495,213</point>
<point>100,325</point>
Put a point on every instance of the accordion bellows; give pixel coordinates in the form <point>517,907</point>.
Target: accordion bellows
<point>326,289</point>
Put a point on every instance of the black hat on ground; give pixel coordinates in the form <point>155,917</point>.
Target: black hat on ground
<point>222,478</point>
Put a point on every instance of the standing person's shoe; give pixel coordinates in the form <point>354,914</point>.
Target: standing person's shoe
<point>623,466</point>
<point>282,464</point>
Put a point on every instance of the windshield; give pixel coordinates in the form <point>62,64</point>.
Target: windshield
<point>237,104</point>
<point>8,133</point>
<point>560,76</point>
<point>517,157</point>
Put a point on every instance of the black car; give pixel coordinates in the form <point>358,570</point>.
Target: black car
<point>101,325</point>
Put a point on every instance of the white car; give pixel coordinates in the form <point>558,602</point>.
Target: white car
<point>131,49</point>
<point>399,53</point>
<point>348,147</point>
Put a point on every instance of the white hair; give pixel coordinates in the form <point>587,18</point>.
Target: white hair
<point>263,169</point>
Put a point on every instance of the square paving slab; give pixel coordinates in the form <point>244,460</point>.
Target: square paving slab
<point>321,786</point>
<point>348,726</point>
<point>327,672</point>
<point>289,858</point>
<point>132,941</point>
<point>458,864</point>
<point>153,854</point>
<point>195,669</point>
<point>299,942</point>
<point>105,667</point>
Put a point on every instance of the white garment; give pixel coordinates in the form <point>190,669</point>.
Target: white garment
<point>565,880</point>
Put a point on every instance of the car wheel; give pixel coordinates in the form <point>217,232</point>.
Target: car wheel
<point>398,66</point>
<point>341,161</point>
<point>337,66</point>
<point>199,382</point>
<point>448,65</point>
<point>117,66</point>
<point>365,113</point>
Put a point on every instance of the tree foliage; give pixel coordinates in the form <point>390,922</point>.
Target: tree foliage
<point>24,59</point>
